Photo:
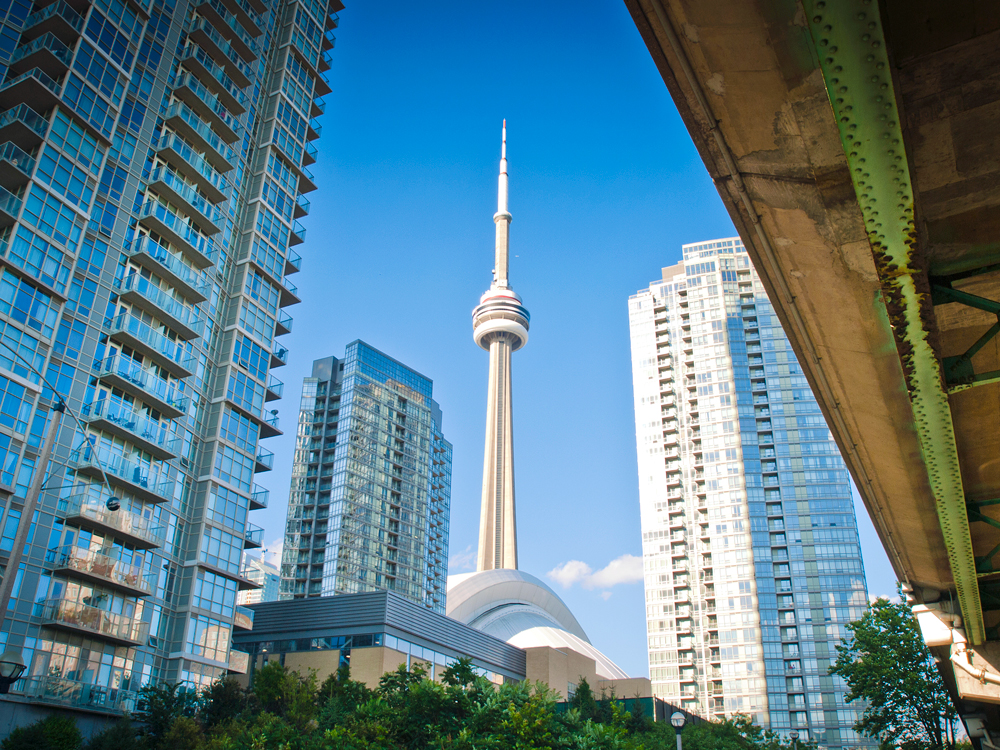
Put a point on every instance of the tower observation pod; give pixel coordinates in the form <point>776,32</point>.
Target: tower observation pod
<point>500,326</point>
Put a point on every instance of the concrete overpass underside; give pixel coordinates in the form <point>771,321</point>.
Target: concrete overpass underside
<point>856,145</point>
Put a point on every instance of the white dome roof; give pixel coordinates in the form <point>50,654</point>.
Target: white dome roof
<point>518,608</point>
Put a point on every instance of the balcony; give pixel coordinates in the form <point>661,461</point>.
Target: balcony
<point>170,355</point>
<point>16,167</point>
<point>204,34</point>
<point>284,324</point>
<point>275,388</point>
<point>313,130</point>
<point>253,537</point>
<point>10,207</point>
<point>259,498</point>
<point>269,424</point>
<point>121,420</point>
<point>47,53</point>
<point>182,118</point>
<point>301,207</point>
<point>88,513</point>
<point>239,661</point>
<point>23,126</point>
<point>298,233</point>
<point>58,19</point>
<point>309,154</point>
<point>125,373</point>
<point>293,262</point>
<point>36,88</point>
<point>207,70</point>
<point>206,216</point>
<point>192,165</point>
<point>264,460</point>
<point>100,569</point>
<point>289,294</point>
<point>51,689</point>
<point>197,96</point>
<point>239,37</point>
<point>147,482</point>
<point>190,282</point>
<point>279,356</point>
<point>92,621</point>
<point>249,17</point>
<point>144,294</point>
<point>162,220</point>
<point>243,619</point>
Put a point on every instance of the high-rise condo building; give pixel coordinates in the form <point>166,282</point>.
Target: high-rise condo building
<point>265,575</point>
<point>153,156</point>
<point>370,496</point>
<point>750,545</point>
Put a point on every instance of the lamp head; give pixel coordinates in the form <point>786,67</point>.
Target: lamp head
<point>12,666</point>
<point>113,503</point>
<point>793,734</point>
<point>677,719</point>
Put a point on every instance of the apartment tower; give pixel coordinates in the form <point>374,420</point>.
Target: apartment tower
<point>153,157</point>
<point>750,544</point>
<point>370,496</point>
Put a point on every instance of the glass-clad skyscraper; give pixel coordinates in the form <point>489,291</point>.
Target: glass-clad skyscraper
<point>370,496</point>
<point>750,544</point>
<point>153,156</point>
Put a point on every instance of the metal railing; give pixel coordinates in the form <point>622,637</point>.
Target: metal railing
<point>129,524</point>
<point>53,689</point>
<point>188,317</point>
<point>94,620</point>
<point>191,196</point>
<point>61,9</point>
<point>196,280</point>
<point>196,160</point>
<point>199,126</point>
<point>198,242</point>
<point>143,427</point>
<point>147,381</point>
<point>148,477</point>
<point>106,567</point>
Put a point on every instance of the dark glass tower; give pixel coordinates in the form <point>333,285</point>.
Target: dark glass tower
<point>153,157</point>
<point>370,497</point>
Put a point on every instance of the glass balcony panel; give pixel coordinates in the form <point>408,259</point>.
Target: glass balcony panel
<point>122,420</point>
<point>253,536</point>
<point>172,148</point>
<point>47,53</point>
<point>279,356</point>
<point>293,261</point>
<point>84,695</point>
<point>128,375</point>
<point>298,234</point>
<point>141,292</point>
<point>207,105</point>
<point>36,88</point>
<point>204,33</point>
<point>310,154</point>
<point>259,498</point>
<point>176,190</point>
<point>227,24</point>
<point>58,19</point>
<point>244,618</point>
<point>148,253</point>
<point>275,388</point>
<point>301,208</point>
<point>93,621</point>
<point>264,459</point>
<point>89,512</point>
<point>23,126</point>
<point>183,119</point>
<point>149,482</point>
<point>165,222</point>
<point>171,355</point>
<point>211,73</point>
<point>247,15</point>
<point>16,166</point>
<point>100,568</point>
<point>284,324</point>
<point>289,293</point>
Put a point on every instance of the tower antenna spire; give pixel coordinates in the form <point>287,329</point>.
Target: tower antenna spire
<point>500,326</point>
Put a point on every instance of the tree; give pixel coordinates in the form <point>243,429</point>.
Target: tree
<point>583,700</point>
<point>51,733</point>
<point>119,736</point>
<point>886,664</point>
<point>159,706</point>
<point>286,694</point>
<point>223,700</point>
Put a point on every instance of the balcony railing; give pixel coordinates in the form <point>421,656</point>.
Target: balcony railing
<point>95,621</point>
<point>49,43</point>
<point>132,377</point>
<point>279,356</point>
<point>284,324</point>
<point>179,231</point>
<point>293,261</point>
<point>99,567</point>
<point>246,44</point>
<point>243,618</point>
<point>195,166</point>
<point>298,233</point>
<point>275,388</point>
<point>253,536</point>
<point>199,58</point>
<point>204,30</point>
<point>170,354</point>
<point>133,425</point>
<point>76,694</point>
<point>148,481</point>
<point>23,125</point>
<point>265,460</point>
<point>259,498</point>
<point>13,154</point>
<point>183,117</point>
<point>189,280</point>
<point>208,217</point>
<point>90,512</point>
<point>209,104</point>
<point>185,321</point>
<point>58,16</point>
<point>35,87</point>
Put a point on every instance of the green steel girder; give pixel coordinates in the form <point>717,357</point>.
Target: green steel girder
<point>850,45</point>
<point>958,371</point>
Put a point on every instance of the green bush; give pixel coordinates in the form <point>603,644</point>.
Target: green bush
<point>51,733</point>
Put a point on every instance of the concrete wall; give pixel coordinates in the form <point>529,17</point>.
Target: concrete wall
<point>558,668</point>
<point>14,714</point>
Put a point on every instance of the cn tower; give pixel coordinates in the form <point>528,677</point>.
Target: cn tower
<point>500,325</point>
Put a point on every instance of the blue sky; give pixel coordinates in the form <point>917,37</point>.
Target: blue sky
<point>605,187</point>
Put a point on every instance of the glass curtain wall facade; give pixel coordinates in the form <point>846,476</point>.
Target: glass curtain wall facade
<point>153,156</point>
<point>370,496</point>
<point>750,545</point>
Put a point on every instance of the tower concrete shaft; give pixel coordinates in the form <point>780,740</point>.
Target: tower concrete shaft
<point>500,325</point>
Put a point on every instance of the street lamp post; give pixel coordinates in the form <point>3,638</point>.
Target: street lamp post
<point>677,719</point>
<point>795,739</point>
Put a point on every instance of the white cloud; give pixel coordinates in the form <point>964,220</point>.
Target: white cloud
<point>272,552</point>
<point>624,569</point>
<point>463,561</point>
